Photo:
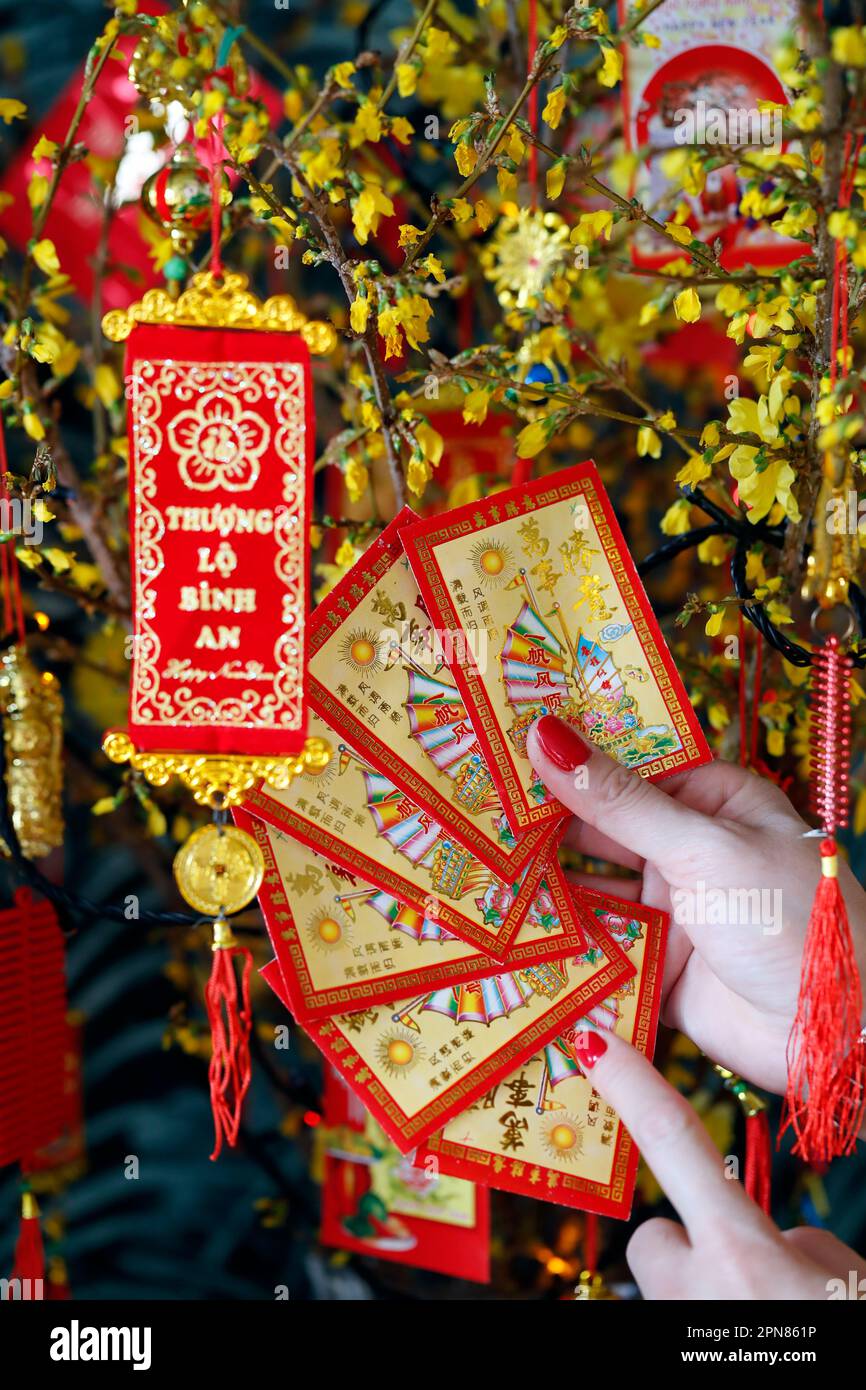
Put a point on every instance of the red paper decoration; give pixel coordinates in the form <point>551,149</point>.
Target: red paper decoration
<point>33,1030</point>
<point>220,439</point>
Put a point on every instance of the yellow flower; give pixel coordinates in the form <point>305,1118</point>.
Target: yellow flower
<point>611,68</point>
<point>431,442</point>
<point>11,110</point>
<point>357,479</point>
<point>714,551</point>
<point>713,624</point>
<point>342,75</point>
<point>761,490</point>
<point>408,235</point>
<point>484,214</point>
<point>106,385</point>
<point>37,190</point>
<point>417,476</point>
<point>677,519</point>
<point>592,226</point>
<point>849,47</point>
<point>462,209</point>
<point>554,107</point>
<point>687,306</point>
<point>367,126</point>
<point>531,440</point>
<point>475,407</point>
<point>369,206</point>
<point>776,743</point>
<point>710,435</point>
<point>346,555</point>
<point>746,416</point>
<point>44,149</point>
<point>693,473</point>
<point>45,256</point>
<point>401,129</point>
<point>32,424</point>
<point>679,234</point>
<point>717,713</point>
<point>465,157</point>
<point>730,300</point>
<point>407,79</point>
<point>359,313</point>
<point>556,179</point>
<point>648,442</point>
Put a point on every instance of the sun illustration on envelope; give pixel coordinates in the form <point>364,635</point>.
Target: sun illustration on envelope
<point>218,444</point>
<point>493,563</point>
<point>361,650</point>
<point>328,930</point>
<point>562,1136</point>
<point>398,1052</point>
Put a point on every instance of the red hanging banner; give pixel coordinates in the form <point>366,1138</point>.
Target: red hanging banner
<point>220,451</point>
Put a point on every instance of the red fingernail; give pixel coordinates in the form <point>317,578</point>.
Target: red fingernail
<point>561,743</point>
<point>589,1047</point>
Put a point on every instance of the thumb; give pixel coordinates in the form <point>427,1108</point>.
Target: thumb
<point>625,806</point>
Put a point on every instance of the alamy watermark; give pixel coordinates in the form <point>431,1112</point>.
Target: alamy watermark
<point>728,125</point>
<point>703,906</point>
<point>18,517</point>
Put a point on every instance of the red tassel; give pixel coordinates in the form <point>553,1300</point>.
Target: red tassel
<point>826,1096</point>
<point>230,1026</point>
<point>28,1271</point>
<point>758,1158</point>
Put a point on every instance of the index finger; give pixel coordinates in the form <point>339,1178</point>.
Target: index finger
<point>669,1134</point>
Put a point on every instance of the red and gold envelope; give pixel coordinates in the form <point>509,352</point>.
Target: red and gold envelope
<point>378,674</point>
<point>343,943</point>
<point>544,1131</point>
<point>539,581</point>
<point>376,1202</point>
<point>415,1062</point>
<point>353,815</point>
<point>220,461</point>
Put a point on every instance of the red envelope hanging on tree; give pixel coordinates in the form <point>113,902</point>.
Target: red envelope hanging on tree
<point>220,417</point>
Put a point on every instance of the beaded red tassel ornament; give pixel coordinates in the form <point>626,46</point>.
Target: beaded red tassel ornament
<point>826,1095</point>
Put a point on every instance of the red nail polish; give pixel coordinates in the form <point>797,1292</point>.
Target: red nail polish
<point>589,1047</point>
<point>561,743</point>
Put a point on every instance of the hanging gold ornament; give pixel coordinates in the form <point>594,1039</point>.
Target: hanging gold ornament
<point>835,557</point>
<point>32,711</point>
<point>176,44</point>
<point>178,198</point>
<point>219,869</point>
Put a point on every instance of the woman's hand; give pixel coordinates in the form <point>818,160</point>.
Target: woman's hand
<point>722,851</point>
<point>726,1249</point>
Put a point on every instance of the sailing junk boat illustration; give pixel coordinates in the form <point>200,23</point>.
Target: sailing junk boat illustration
<point>580,682</point>
<point>397,915</point>
<point>439,724</point>
<point>561,1054</point>
<point>454,871</point>
<point>483,1001</point>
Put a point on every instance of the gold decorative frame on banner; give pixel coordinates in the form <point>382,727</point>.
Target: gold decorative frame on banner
<point>225,302</point>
